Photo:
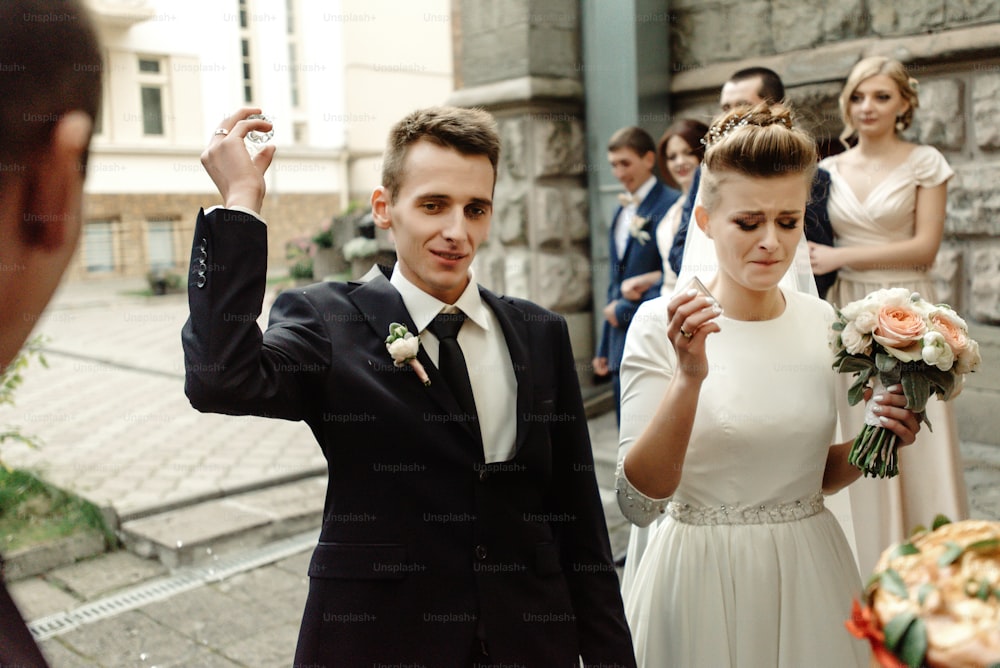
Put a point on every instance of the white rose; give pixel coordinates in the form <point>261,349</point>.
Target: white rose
<point>854,341</point>
<point>833,338</point>
<point>937,352</point>
<point>866,321</point>
<point>892,297</point>
<point>969,359</point>
<point>403,349</point>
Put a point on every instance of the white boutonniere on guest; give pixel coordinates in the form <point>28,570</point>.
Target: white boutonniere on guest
<point>403,346</point>
<point>635,229</point>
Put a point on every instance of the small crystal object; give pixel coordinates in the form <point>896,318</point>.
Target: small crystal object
<point>256,137</point>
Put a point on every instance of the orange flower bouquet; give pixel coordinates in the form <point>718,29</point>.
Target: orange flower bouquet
<point>934,599</point>
<point>894,337</point>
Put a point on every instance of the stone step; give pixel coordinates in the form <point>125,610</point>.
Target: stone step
<point>195,534</point>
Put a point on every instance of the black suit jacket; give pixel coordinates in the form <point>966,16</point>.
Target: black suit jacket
<point>638,258</point>
<point>817,224</point>
<point>425,549</point>
<point>17,647</point>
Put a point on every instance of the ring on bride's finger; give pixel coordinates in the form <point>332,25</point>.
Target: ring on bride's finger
<point>686,335</point>
<point>221,131</point>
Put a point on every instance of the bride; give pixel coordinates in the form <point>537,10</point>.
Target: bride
<point>728,413</point>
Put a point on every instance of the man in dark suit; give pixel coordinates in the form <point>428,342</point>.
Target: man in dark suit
<point>463,524</point>
<point>632,241</point>
<point>748,87</point>
<point>49,95</point>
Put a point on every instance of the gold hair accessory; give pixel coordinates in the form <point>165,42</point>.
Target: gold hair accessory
<point>718,132</point>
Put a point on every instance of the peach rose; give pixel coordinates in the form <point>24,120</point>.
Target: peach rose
<point>898,327</point>
<point>953,332</point>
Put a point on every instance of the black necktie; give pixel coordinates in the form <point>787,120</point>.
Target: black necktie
<point>451,362</point>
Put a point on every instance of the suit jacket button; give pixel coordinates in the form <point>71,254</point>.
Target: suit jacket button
<point>483,475</point>
<point>480,552</point>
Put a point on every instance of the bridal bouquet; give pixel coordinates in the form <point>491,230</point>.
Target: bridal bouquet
<point>894,337</point>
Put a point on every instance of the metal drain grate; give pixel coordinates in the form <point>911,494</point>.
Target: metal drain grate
<point>170,585</point>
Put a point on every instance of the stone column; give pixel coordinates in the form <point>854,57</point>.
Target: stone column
<point>520,60</point>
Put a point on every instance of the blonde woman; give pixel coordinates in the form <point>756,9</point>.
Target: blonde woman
<point>887,208</point>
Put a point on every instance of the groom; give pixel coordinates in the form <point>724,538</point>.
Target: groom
<point>455,532</point>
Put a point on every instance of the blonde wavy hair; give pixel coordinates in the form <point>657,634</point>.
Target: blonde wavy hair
<point>870,67</point>
<point>760,141</point>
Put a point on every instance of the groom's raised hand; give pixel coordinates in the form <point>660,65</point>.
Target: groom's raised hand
<point>238,176</point>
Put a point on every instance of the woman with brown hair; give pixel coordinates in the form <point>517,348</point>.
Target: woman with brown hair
<point>678,154</point>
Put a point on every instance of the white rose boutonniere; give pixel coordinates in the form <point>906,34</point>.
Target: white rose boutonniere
<point>635,229</point>
<point>403,346</point>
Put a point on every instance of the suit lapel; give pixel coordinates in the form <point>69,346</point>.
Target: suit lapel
<point>515,332</point>
<point>652,197</point>
<point>382,305</point>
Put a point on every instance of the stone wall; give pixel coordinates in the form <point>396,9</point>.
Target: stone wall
<point>703,32</point>
<point>520,61</point>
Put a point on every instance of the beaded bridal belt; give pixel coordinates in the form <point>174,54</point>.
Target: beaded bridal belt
<point>762,514</point>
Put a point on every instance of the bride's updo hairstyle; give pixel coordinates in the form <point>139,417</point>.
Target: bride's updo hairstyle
<point>759,142</point>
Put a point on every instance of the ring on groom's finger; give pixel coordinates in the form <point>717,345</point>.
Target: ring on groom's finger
<point>686,335</point>
<point>221,131</point>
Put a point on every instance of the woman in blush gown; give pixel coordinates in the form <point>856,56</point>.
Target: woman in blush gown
<point>728,415</point>
<point>887,207</point>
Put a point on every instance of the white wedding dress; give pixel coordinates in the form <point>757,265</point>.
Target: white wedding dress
<point>746,568</point>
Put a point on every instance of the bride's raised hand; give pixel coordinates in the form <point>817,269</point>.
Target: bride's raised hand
<point>691,317</point>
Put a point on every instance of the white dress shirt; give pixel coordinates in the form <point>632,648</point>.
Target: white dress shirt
<point>628,212</point>
<point>491,371</point>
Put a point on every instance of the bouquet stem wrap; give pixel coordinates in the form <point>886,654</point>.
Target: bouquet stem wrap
<point>874,448</point>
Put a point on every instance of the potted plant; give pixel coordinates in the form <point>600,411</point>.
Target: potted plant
<point>360,252</point>
<point>161,281</point>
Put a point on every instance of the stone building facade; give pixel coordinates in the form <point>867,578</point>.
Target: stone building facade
<point>561,75</point>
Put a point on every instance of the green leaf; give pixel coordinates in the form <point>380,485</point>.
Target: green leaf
<point>914,646</point>
<point>940,521</point>
<point>984,590</point>
<point>986,544</point>
<point>917,390</point>
<point>924,591</point>
<point>891,582</point>
<point>952,552</point>
<point>885,362</point>
<point>852,364</point>
<point>838,326</point>
<point>896,629</point>
<point>903,550</point>
<point>944,380</point>
<point>857,391</point>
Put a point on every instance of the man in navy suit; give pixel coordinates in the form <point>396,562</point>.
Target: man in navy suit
<point>50,91</point>
<point>748,87</point>
<point>632,243</point>
<point>462,527</point>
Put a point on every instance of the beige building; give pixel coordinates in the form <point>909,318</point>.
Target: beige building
<point>333,75</point>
